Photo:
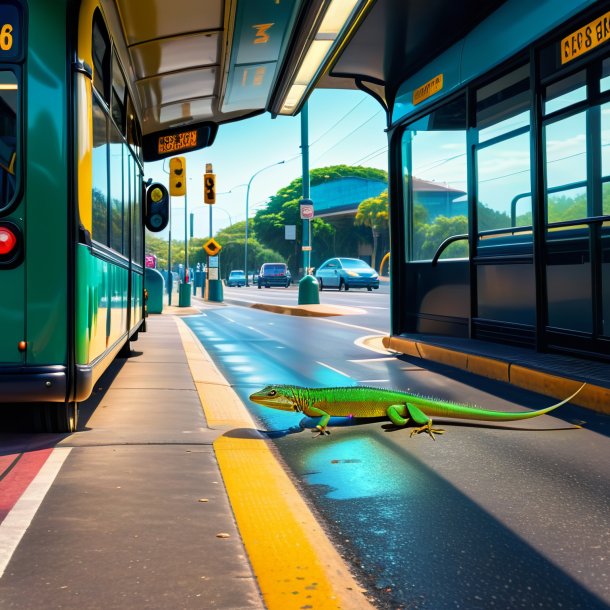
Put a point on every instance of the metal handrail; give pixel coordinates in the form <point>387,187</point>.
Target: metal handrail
<point>447,242</point>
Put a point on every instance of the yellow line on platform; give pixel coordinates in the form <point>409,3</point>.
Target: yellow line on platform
<point>295,564</point>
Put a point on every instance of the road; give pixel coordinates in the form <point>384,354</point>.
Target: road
<point>487,516</point>
<point>491,515</point>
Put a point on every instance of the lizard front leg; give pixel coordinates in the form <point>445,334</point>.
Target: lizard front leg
<point>315,412</point>
<point>419,417</point>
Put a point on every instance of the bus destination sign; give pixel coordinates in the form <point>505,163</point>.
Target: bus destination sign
<point>10,32</point>
<point>176,142</point>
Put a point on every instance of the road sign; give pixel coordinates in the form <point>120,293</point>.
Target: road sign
<point>306,211</point>
<point>212,247</point>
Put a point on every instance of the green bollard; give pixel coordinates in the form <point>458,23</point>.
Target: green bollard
<point>155,284</point>
<point>309,291</point>
<point>214,291</point>
<point>184,294</point>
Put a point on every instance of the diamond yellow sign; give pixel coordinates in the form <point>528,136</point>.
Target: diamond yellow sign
<point>212,247</point>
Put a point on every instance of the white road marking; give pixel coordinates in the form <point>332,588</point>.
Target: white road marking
<point>372,330</point>
<point>256,330</point>
<point>380,359</point>
<point>333,369</point>
<point>18,520</point>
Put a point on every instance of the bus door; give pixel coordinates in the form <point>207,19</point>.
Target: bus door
<point>502,261</point>
<point>576,145</point>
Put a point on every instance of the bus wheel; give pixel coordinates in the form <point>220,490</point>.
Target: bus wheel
<point>60,417</point>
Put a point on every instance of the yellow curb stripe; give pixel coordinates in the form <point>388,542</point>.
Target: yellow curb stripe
<point>295,564</point>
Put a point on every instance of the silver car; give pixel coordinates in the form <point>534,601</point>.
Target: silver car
<point>346,273</point>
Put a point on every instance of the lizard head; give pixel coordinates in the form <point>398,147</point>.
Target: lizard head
<point>274,396</point>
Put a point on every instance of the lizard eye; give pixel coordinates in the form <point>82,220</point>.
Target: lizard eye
<point>272,393</point>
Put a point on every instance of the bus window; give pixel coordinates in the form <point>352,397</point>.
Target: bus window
<point>101,57</point>
<point>118,96</point>
<point>100,174</point>
<point>434,167</point>
<point>8,135</point>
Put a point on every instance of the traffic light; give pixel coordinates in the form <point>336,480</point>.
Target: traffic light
<point>157,207</point>
<point>177,176</point>
<point>209,188</point>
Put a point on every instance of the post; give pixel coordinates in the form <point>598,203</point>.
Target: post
<point>306,227</point>
<point>170,277</point>
<point>308,285</point>
<point>247,200</point>
<point>186,239</point>
<point>246,236</point>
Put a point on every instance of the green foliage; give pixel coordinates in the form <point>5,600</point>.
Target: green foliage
<point>428,237</point>
<point>283,209</point>
<point>374,213</point>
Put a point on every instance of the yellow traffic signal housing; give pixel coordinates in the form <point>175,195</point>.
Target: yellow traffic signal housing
<point>177,176</point>
<point>209,188</point>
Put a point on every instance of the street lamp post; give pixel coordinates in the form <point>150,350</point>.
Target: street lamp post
<point>247,200</point>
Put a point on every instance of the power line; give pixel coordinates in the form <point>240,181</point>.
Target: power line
<point>338,122</point>
<point>349,134</point>
<point>371,155</point>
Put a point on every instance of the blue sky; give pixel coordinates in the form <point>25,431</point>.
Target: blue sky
<point>345,127</point>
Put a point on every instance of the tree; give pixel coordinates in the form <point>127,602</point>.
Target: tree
<point>283,209</point>
<point>373,213</point>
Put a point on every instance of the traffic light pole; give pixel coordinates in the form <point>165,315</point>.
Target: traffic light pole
<point>186,241</point>
<point>170,277</point>
<point>306,228</point>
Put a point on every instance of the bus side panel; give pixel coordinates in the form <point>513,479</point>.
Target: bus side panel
<point>118,280</point>
<point>91,306</point>
<point>137,290</point>
<point>47,184</point>
<point>12,307</point>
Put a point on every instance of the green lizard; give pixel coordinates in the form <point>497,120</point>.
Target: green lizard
<point>362,401</point>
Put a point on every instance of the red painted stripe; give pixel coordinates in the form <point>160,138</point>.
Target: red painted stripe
<point>17,480</point>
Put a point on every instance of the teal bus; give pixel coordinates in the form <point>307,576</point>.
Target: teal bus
<point>71,209</point>
<point>71,218</point>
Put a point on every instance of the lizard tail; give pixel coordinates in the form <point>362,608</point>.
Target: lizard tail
<point>486,415</point>
<point>552,407</point>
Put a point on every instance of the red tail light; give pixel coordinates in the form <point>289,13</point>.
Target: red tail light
<point>8,241</point>
<point>11,245</point>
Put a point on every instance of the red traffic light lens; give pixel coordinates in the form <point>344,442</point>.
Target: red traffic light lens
<point>8,241</point>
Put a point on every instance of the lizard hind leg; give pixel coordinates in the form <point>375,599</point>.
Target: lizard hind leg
<point>419,417</point>
<point>398,415</point>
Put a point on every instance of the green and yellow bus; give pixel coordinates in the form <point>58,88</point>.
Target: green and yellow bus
<point>71,208</point>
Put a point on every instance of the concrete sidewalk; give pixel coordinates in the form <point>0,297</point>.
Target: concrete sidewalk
<point>182,502</point>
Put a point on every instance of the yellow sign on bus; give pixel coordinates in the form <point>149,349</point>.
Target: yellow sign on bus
<point>585,39</point>
<point>428,89</point>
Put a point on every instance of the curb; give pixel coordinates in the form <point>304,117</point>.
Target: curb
<point>592,396</point>
<point>295,564</point>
